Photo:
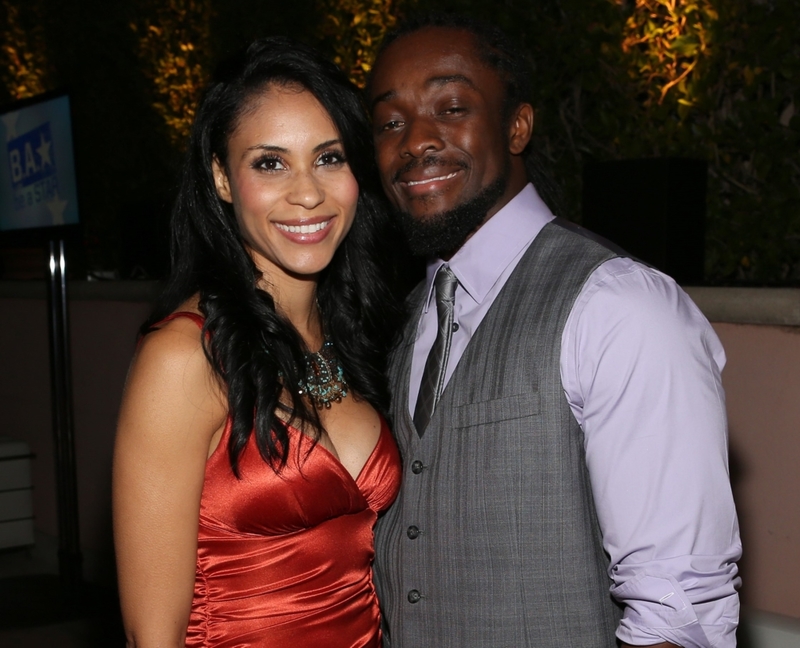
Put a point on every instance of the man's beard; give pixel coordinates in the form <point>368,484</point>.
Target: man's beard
<point>442,234</point>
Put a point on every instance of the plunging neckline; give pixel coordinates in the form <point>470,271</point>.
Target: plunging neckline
<point>338,462</point>
<point>199,320</point>
<point>332,458</point>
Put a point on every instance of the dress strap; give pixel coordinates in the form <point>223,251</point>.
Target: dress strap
<point>197,319</point>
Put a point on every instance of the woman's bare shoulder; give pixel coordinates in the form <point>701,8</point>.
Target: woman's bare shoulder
<point>176,336</point>
<point>171,370</point>
<point>174,340</point>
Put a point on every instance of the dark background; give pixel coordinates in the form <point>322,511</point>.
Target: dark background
<point>594,104</point>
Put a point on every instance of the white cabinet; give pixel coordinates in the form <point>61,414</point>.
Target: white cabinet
<point>16,505</point>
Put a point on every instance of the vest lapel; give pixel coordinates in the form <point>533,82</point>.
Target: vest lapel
<point>400,371</point>
<point>469,375</point>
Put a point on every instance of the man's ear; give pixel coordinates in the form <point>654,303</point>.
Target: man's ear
<point>521,128</point>
<point>221,180</point>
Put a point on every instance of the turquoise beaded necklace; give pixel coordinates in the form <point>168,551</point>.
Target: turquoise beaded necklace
<point>324,382</point>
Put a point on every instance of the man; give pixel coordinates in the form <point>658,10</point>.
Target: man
<point>558,407</point>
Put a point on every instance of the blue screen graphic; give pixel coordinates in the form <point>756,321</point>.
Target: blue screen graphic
<point>37,170</point>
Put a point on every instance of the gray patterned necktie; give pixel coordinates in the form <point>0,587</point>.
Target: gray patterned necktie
<point>432,384</point>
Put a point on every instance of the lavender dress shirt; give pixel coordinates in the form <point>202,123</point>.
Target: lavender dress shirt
<point>640,366</point>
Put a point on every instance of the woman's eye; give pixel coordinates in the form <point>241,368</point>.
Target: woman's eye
<point>331,158</point>
<point>269,164</point>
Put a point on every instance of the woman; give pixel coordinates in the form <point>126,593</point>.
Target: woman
<point>251,457</point>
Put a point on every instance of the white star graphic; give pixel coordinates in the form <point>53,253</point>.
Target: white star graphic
<point>44,151</point>
<point>57,207</point>
<point>10,121</point>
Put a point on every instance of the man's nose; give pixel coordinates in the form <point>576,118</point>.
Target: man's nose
<point>421,136</point>
<point>306,190</point>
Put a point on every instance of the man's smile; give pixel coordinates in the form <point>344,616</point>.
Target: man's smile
<point>428,183</point>
<point>429,176</point>
<point>413,183</point>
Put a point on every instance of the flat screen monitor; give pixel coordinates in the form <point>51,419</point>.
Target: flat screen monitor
<point>37,165</point>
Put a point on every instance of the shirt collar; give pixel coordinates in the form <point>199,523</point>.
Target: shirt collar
<point>480,262</point>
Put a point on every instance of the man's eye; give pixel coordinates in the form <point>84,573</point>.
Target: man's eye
<point>392,125</point>
<point>454,110</point>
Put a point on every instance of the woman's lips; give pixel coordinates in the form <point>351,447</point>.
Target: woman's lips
<point>302,229</point>
<point>306,232</point>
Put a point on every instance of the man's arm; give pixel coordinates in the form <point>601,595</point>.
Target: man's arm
<point>641,370</point>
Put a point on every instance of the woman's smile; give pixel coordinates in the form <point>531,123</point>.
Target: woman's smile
<point>288,180</point>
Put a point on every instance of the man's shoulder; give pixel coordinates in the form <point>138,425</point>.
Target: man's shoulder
<point>564,251</point>
<point>579,234</point>
<point>639,302</point>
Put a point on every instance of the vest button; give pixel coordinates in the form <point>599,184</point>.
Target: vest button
<point>412,532</point>
<point>414,596</point>
<point>416,466</point>
<point>455,326</point>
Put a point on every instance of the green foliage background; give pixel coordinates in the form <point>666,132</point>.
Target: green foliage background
<point>127,165</point>
<point>743,116</point>
<point>745,120</point>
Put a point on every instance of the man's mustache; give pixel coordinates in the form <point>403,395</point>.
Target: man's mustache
<point>428,160</point>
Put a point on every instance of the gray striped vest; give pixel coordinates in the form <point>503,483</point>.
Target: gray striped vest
<point>493,540</point>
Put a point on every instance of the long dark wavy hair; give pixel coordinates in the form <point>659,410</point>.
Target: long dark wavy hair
<point>257,354</point>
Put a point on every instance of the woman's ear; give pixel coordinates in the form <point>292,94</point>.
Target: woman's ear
<point>221,180</point>
<point>521,128</point>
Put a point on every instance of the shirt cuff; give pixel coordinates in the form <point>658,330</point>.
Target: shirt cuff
<point>656,609</point>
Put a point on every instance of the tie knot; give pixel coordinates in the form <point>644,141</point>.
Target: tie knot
<point>445,283</point>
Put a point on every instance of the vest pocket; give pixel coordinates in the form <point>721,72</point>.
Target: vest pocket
<point>495,410</point>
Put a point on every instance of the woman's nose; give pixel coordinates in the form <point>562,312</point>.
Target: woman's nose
<point>306,191</point>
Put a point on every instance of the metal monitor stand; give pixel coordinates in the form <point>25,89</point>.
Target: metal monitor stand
<point>69,549</point>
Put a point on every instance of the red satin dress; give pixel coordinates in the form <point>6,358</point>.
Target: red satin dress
<point>286,560</point>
